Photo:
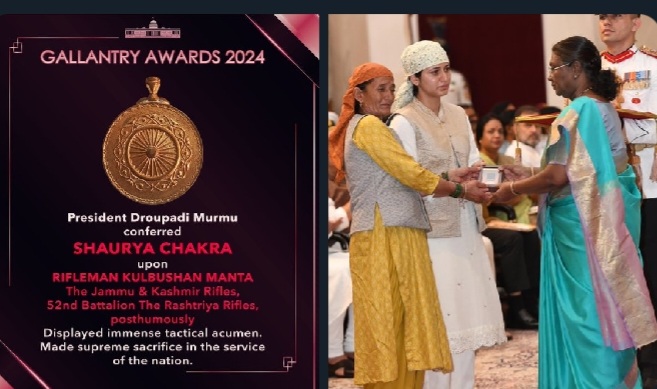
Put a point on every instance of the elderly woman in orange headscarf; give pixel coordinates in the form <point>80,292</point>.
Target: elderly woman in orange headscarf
<point>399,331</point>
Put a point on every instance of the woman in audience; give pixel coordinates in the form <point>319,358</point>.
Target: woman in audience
<point>595,309</point>
<point>518,251</point>
<point>490,135</point>
<point>399,328</point>
<point>438,135</point>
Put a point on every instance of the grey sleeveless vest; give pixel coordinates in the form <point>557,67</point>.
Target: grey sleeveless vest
<point>369,185</point>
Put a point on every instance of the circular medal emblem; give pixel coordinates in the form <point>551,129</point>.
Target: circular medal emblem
<point>152,152</point>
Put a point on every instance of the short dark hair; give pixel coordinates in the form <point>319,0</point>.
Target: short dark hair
<point>500,106</point>
<point>637,15</point>
<point>548,109</point>
<point>525,108</point>
<point>506,117</point>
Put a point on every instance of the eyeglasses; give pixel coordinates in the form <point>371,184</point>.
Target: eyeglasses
<point>552,69</point>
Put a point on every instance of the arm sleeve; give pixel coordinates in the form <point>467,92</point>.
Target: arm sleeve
<point>406,134</point>
<point>641,131</point>
<point>377,140</point>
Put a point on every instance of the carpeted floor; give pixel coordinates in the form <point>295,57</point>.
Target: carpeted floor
<point>513,365</point>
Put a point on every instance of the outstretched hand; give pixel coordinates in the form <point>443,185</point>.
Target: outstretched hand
<point>515,172</point>
<point>464,174</point>
<point>503,193</point>
<point>477,192</point>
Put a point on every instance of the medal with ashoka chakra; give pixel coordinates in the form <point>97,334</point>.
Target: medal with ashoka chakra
<point>152,152</point>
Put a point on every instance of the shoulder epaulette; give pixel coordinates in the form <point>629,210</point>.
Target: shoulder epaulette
<point>651,52</point>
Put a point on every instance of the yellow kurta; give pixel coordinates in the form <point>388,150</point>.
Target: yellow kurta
<point>399,330</point>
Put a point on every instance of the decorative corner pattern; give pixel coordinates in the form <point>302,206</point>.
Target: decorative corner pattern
<point>16,47</point>
<point>288,363</point>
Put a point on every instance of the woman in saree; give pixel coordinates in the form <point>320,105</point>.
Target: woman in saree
<point>595,310</point>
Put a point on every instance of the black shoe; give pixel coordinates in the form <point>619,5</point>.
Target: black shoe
<point>347,371</point>
<point>522,319</point>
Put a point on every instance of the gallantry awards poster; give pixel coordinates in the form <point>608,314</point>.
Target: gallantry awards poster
<point>160,210</point>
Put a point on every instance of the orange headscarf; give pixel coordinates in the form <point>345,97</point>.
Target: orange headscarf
<point>361,74</point>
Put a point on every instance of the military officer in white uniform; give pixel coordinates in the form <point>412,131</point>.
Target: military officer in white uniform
<point>637,67</point>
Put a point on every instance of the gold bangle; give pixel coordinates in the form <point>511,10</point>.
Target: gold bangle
<point>513,191</point>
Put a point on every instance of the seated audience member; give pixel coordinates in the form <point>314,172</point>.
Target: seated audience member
<point>505,110</point>
<point>340,296</point>
<point>503,106</point>
<point>510,245</point>
<point>527,137</point>
<point>473,118</point>
<point>490,135</point>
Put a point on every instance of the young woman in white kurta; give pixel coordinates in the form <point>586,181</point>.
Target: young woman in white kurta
<point>464,278</point>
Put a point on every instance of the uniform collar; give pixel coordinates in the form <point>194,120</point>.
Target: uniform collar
<point>620,57</point>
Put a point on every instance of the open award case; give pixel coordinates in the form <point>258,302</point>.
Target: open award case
<point>491,176</point>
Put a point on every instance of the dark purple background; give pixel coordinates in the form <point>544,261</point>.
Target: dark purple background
<point>246,117</point>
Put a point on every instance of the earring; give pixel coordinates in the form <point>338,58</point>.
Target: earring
<point>575,76</point>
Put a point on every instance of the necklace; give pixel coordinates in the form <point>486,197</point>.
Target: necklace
<point>584,91</point>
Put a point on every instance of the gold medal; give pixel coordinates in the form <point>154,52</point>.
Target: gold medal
<point>152,152</point>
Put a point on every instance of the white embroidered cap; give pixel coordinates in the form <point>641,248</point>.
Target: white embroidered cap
<point>421,55</point>
<point>415,58</point>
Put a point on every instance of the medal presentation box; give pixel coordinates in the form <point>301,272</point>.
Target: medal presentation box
<point>160,201</point>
